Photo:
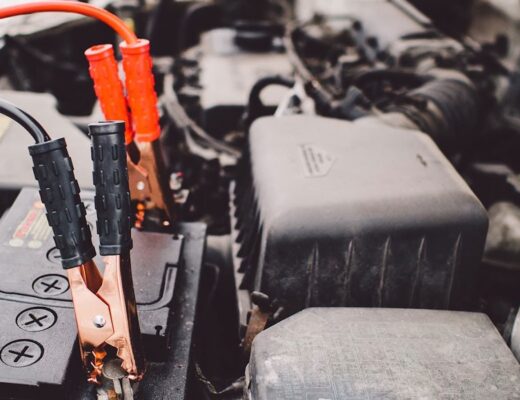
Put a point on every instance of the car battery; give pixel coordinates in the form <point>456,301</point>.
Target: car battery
<point>39,356</point>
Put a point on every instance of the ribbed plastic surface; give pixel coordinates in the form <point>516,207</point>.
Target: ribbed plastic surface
<point>140,82</point>
<point>59,191</point>
<point>113,204</point>
<point>333,213</point>
<point>108,87</point>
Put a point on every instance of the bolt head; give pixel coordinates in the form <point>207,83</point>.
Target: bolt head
<point>176,179</point>
<point>99,321</point>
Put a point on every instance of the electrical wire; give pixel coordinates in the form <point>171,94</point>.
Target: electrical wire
<point>73,7</point>
<point>25,120</point>
<point>323,97</point>
<point>255,107</point>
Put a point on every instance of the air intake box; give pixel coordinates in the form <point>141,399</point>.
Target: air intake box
<point>335,213</point>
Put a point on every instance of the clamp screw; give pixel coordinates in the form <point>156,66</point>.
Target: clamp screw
<point>99,321</point>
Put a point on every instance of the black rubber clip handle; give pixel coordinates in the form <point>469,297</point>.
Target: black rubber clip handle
<point>59,192</point>
<point>113,205</point>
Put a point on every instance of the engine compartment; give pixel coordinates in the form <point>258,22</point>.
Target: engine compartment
<point>340,210</point>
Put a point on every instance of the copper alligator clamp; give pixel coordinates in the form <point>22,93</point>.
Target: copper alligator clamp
<point>105,306</point>
<point>138,108</point>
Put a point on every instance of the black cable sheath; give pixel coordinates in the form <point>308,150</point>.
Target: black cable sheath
<point>113,204</point>
<point>25,120</point>
<point>60,192</point>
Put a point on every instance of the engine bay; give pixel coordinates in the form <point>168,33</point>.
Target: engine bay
<point>259,199</point>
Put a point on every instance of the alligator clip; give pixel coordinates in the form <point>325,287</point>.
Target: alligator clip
<point>104,306</point>
<point>106,316</point>
<point>148,183</point>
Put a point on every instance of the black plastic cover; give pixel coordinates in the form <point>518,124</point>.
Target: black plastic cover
<point>59,191</point>
<point>336,213</point>
<point>113,204</point>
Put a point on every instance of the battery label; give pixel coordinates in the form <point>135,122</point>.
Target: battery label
<point>316,162</point>
<point>34,229</point>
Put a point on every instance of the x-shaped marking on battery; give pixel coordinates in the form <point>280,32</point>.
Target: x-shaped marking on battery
<point>35,320</point>
<point>49,286</point>
<point>20,354</point>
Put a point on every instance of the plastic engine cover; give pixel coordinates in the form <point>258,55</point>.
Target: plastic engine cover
<point>355,214</point>
<point>349,353</point>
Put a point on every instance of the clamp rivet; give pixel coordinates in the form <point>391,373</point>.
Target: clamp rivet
<point>99,321</point>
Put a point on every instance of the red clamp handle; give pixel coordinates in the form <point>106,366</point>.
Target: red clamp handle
<point>108,86</point>
<point>140,89</point>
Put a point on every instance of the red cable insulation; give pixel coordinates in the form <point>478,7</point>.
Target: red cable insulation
<point>73,7</point>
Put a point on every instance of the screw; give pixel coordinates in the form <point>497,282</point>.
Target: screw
<point>176,179</point>
<point>99,321</point>
<point>140,185</point>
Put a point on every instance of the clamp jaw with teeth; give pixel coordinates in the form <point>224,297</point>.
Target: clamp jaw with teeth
<point>104,305</point>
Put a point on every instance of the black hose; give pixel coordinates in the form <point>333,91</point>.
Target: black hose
<point>25,120</point>
<point>255,106</point>
<point>394,75</point>
<point>324,97</point>
<point>446,109</point>
<point>262,83</point>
